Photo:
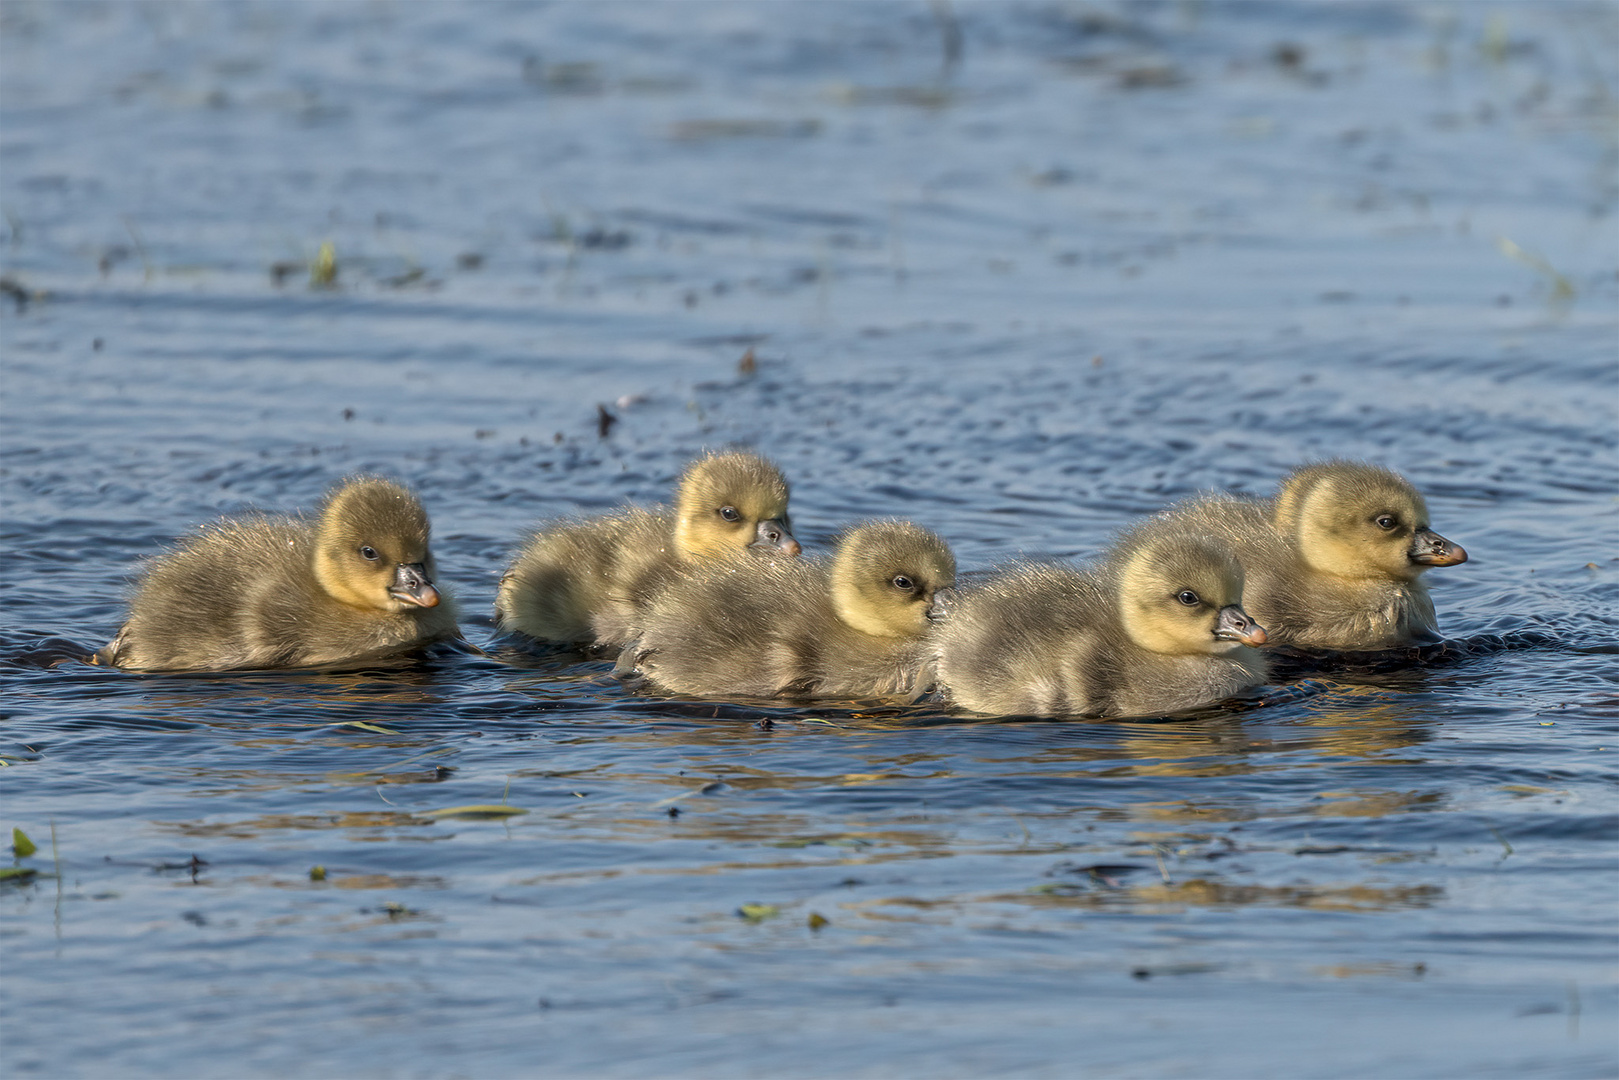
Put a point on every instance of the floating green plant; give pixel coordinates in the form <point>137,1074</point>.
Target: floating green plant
<point>1562,288</point>
<point>323,271</point>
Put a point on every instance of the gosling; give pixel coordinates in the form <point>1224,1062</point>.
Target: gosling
<point>584,582</point>
<point>853,628</point>
<point>275,592</point>
<point>1333,561</point>
<point>1157,627</point>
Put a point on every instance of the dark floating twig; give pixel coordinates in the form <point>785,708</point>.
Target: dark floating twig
<point>12,289</point>
<point>950,37</point>
<point>1288,55</point>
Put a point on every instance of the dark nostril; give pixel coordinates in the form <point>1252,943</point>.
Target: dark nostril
<point>773,535</point>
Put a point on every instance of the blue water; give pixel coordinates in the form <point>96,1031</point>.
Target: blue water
<point>1022,288</point>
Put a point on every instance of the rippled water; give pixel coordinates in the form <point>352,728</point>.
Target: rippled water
<point>1018,272</point>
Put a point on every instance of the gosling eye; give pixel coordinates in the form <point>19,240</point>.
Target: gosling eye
<point>1188,597</point>
<point>730,513</point>
<point>903,583</point>
<point>369,553</point>
<point>1387,521</point>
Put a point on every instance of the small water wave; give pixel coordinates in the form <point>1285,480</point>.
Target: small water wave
<point>1288,663</point>
<point>25,651</point>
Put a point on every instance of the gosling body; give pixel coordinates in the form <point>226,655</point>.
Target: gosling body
<point>272,592</point>
<point>853,627</point>
<point>1333,561</point>
<point>588,581</point>
<point>1158,627</point>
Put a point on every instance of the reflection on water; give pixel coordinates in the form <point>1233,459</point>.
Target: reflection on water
<point>1216,893</point>
<point>252,827</point>
<point>336,879</point>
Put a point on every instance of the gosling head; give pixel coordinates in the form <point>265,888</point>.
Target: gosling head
<point>1360,521</point>
<point>730,502</point>
<point>371,548</point>
<point>886,576</point>
<point>1182,594</point>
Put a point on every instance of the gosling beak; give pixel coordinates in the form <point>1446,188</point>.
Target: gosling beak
<point>1431,549</point>
<point>1235,625</point>
<point>775,534</point>
<point>939,607</point>
<point>412,587</point>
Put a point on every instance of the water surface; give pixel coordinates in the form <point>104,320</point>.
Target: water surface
<point>1019,272</point>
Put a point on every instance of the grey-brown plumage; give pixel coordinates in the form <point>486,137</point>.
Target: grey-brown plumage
<point>1332,562</point>
<point>588,581</point>
<point>854,627</point>
<point>1156,627</point>
<point>270,592</point>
